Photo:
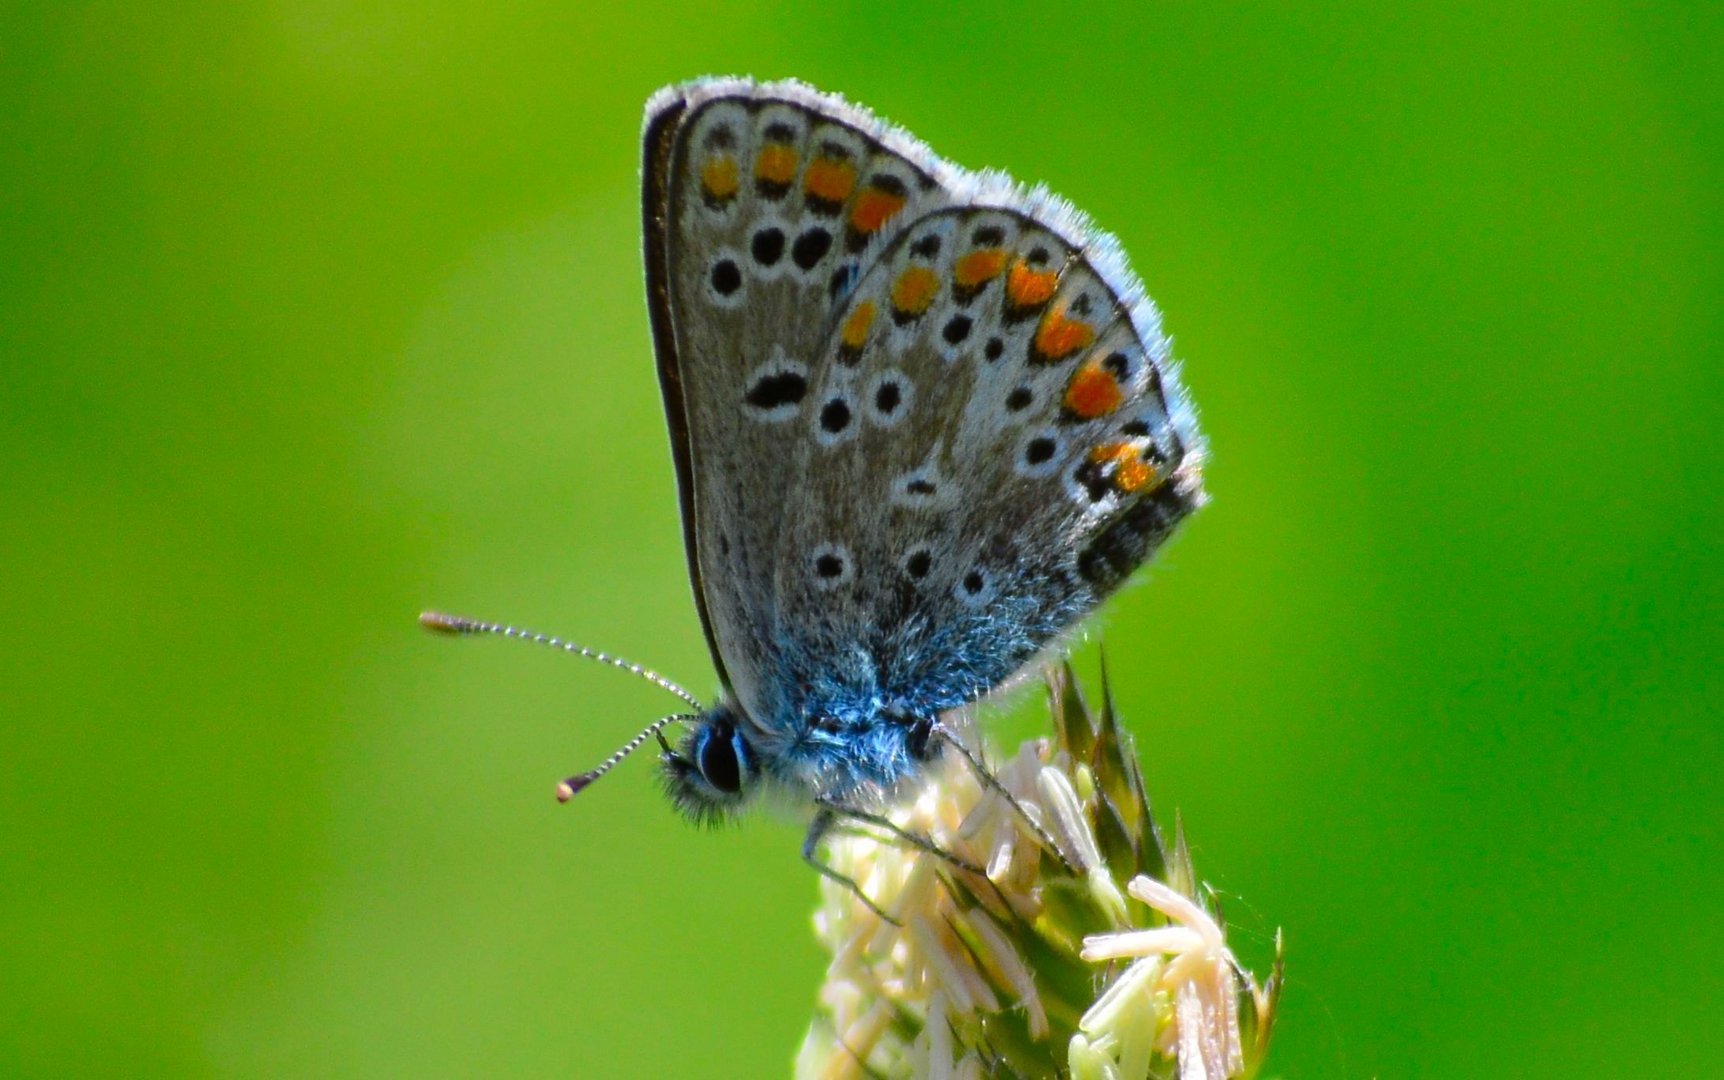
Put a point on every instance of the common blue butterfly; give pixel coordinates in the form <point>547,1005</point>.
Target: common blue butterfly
<point>924,420</point>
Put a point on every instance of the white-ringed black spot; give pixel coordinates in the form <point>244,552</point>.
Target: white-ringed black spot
<point>1039,256</point>
<point>1118,365</point>
<point>926,247</point>
<point>720,137</point>
<point>957,328</point>
<point>1020,399</point>
<point>726,277</point>
<point>1136,429</point>
<point>775,389</point>
<point>831,566</point>
<point>1039,454</point>
<point>780,132</point>
<point>975,588</point>
<point>768,246</point>
<point>835,415</point>
<point>994,349</point>
<point>921,488</point>
<point>988,236</point>
<point>888,397</point>
<point>810,248</point>
<point>918,563</point>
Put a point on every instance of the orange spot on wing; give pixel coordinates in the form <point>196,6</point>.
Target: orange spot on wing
<point>1093,392</point>
<point>873,209</point>
<point>718,177</point>
<point>1131,473</point>
<point>914,290</point>
<point>830,179</point>
<point>1030,288</point>
<point>1058,336</point>
<point>978,268</point>
<point>856,326</point>
<point>776,163</point>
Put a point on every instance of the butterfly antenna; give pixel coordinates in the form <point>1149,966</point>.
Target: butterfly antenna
<point>574,785</point>
<point>456,626</point>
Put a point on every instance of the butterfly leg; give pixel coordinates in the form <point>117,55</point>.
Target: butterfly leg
<point>915,840</point>
<point>920,843</point>
<point>989,780</point>
<point>824,819</point>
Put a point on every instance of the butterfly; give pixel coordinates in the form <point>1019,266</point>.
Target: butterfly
<point>924,420</point>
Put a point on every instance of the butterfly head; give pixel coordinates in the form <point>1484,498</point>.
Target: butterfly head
<point>713,771</point>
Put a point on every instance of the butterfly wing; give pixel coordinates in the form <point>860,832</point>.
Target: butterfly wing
<point>1012,447</point>
<point>924,421</point>
<point>762,203</point>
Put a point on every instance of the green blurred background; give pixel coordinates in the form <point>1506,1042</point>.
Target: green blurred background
<point>315,314</point>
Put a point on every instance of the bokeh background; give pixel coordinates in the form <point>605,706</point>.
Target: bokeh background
<point>315,314</point>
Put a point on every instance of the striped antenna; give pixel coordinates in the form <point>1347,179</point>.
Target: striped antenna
<point>456,626</point>
<point>573,786</point>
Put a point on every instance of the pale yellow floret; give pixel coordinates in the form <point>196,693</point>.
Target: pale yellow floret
<point>924,996</point>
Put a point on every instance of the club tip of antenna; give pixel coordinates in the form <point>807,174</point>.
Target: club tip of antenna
<point>573,786</point>
<point>439,623</point>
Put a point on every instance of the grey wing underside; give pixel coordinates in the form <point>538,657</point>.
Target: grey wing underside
<point>920,429</point>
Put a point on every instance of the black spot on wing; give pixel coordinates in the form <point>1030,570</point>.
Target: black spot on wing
<point>726,277</point>
<point>781,388</point>
<point>835,415</point>
<point>768,246</point>
<point>811,247</point>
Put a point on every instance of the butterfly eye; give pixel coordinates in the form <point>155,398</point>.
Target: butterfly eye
<point>719,762</point>
<point>920,740</point>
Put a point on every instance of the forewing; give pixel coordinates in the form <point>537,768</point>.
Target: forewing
<point>762,203</point>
